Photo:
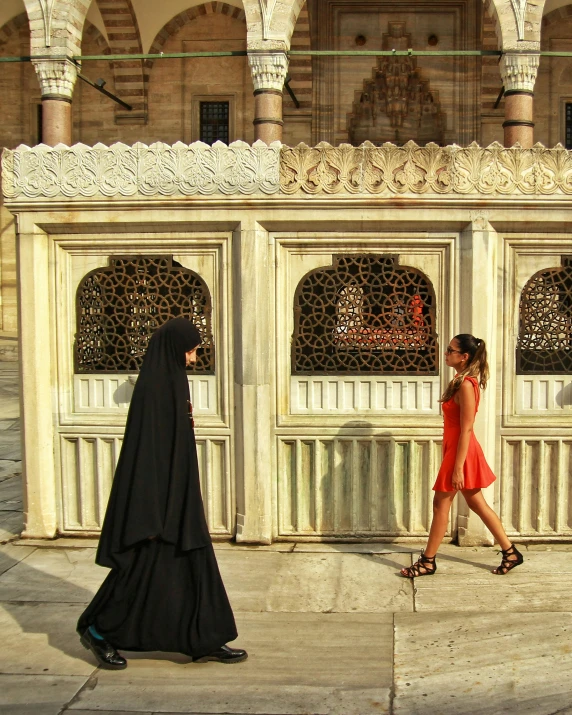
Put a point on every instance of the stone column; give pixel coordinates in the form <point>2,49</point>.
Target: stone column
<point>478,271</point>
<point>57,79</point>
<point>268,75</point>
<point>253,395</point>
<point>36,380</point>
<point>518,73</point>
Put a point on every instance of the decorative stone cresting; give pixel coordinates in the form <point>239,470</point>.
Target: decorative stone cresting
<point>157,170</point>
<point>413,169</point>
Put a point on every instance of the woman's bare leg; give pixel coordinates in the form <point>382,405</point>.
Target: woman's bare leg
<point>441,507</point>
<point>478,504</point>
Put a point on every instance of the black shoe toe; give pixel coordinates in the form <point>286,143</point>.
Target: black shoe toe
<point>104,652</point>
<point>224,655</point>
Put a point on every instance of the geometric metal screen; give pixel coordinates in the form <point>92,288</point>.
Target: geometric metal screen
<point>545,331</point>
<point>119,307</point>
<point>365,314</point>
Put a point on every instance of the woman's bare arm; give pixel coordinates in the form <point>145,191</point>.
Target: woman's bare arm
<point>466,401</point>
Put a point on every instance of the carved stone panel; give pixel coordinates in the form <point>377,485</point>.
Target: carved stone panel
<point>397,103</point>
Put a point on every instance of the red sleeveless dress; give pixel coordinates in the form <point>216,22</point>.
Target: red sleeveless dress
<point>477,472</point>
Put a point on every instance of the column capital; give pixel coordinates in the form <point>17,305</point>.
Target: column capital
<point>268,70</point>
<point>518,71</point>
<point>57,78</point>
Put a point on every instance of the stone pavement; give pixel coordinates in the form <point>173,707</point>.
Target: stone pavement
<point>330,629</point>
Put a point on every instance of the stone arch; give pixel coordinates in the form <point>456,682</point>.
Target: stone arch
<point>61,18</point>
<point>18,84</point>
<point>299,67</point>
<point>184,18</point>
<point>13,28</point>
<point>94,34</point>
<point>516,22</point>
<point>561,13</point>
<point>124,37</point>
<point>271,23</point>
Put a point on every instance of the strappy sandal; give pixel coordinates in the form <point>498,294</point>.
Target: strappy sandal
<point>424,566</point>
<point>510,559</point>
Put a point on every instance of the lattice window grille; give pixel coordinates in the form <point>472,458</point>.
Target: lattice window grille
<point>545,331</point>
<point>214,122</point>
<point>120,306</point>
<point>365,314</point>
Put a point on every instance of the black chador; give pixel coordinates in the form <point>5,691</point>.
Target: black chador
<point>164,591</point>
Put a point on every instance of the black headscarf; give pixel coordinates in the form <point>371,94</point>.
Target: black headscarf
<point>156,490</point>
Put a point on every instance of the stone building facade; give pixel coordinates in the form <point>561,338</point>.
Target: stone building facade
<point>326,257</point>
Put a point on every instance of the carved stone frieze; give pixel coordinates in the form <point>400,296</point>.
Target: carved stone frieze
<point>156,170</point>
<point>268,69</point>
<point>413,169</point>
<point>159,170</point>
<point>518,71</point>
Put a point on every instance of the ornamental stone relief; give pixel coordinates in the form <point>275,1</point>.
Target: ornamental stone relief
<point>160,170</point>
<point>156,170</point>
<point>397,101</point>
<point>389,169</point>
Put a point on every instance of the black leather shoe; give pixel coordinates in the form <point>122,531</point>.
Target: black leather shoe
<point>224,655</point>
<point>105,653</point>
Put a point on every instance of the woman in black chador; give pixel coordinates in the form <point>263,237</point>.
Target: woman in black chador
<point>164,591</point>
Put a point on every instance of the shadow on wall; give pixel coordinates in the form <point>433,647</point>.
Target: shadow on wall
<point>563,398</point>
<point>372,502</point>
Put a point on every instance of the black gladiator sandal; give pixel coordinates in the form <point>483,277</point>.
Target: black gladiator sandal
<point>424,566</point>
<point>511,558</point>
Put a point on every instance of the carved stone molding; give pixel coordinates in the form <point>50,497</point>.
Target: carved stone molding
<point>519,9</point>
<point>480,219</point>
<point>47,7</point>
<point>140,170</point>
<point>389,169</point>
<point>158,170</point>
<point>519,72</point>
<point>57,77</point>
<point>268,70</point>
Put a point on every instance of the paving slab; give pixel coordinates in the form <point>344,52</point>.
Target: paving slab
<point>363,548</point>
<point>40,638</point>
<point>280,546</point>
<point>10,467</point>
<point>549,547</point>
<point>10,555</point>
<point>483,664</point>
<point>315,583</point>
<point>11,493</point>
<point>53,575</point>
<point>465,583</point>
<point>11,525</point>
<point>37,694</point>
<point>10,445</point>
<point>299,663</point>
<point>60,543</point>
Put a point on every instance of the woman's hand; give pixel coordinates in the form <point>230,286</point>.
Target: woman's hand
<point>458,479</point>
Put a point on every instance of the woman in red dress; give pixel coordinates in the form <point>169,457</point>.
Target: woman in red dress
<point>464,467</point>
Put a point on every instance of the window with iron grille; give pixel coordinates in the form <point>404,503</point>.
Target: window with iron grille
<point>119,307</point>
<point>545,331</point>
<point>214,121</point>
<point>568,122</point>
<point>365,314</point>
